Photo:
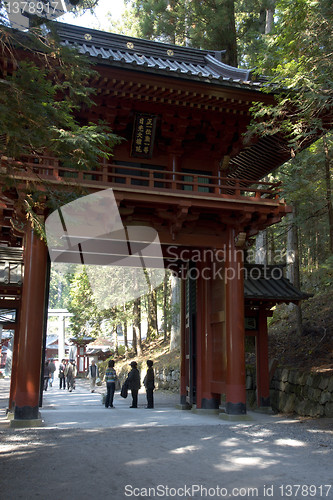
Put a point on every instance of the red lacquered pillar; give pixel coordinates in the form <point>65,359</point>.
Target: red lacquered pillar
<point>205,398</point>
<point>13,377</point>
<point>31,328</point>
<point>235,330</point>
<point>183,375</point>
<point>262,362</point>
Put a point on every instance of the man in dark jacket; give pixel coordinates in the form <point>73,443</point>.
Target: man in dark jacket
<point>149,384</point>
<point>52,368</point>
<point>46,375</point>
<point>62,378</point>
<point>134,383</point>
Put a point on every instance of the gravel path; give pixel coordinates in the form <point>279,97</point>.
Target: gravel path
<point>87,451</point>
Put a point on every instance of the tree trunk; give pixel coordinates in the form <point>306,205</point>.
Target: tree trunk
<point>328,192</point>
<point>125,336</point>
<point>115,341</point>
<point>293,265</point>
<point>230,42</point>
<point>269,18</point>
<point>137,326</point>
<point>261,248</point>
<point>152,329</point>
<point>166,305</point>
<point>175,313</point>
<point>271,246</point>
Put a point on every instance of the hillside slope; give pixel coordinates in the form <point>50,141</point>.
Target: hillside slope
<point>314,349</point>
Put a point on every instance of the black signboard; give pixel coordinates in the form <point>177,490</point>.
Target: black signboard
<point>143,136</point>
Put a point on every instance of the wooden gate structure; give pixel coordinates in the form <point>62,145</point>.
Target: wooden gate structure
<point>183,169</point>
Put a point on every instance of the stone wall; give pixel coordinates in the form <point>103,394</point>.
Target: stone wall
<point>167,379</point>
<point>307,394</point>
<point>292,391</point>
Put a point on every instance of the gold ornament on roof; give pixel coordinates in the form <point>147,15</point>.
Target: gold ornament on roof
<point>130,45</point>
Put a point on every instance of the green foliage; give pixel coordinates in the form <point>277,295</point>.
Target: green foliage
<point>39,100</point>
<point>299,58</point>
<point>60,283</point>
<point>206,25</point>
<point>45,86</point>
<point>87,318</point>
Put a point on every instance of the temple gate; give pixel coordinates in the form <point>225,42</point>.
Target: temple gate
<point>185,170</point>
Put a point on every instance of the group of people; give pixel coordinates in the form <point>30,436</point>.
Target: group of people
<point>67,374</point>
<point>132,383</point>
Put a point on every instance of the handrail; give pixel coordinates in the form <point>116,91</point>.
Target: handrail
<point>48,167</point>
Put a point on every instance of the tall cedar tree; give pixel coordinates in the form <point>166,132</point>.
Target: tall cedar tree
<point>43,85</point>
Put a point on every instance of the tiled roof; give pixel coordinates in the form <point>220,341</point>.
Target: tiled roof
<point>268,283</point>
<point>154,57</point>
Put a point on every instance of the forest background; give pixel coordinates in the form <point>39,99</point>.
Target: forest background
<point>289,45</point>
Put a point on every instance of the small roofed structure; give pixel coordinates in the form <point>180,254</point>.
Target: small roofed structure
<point>79,353</point>
<point>100,349</point>
<point>267,284</point>
<point>264,287</point>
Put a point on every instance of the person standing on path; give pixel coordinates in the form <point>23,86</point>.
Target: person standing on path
<point>52,368</point>
<point>62,378</point>
<point>134,383</point>
<point>110,379</point>
<point>46,375</point>
<point>70,374</point>
<point>93,374</point>
<point>149,384</point>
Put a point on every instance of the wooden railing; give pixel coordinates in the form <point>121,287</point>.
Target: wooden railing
<point>113,175</point>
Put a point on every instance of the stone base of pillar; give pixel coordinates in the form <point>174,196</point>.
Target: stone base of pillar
<point>205,411</point>
<point>267,410</point>
<point>26,412</point>
<point>210,404</point>
<point>19,424</point>
<point>235,408</point>
<point>183,405</point>
<point>235,418</point>
<point>265,401</point>
<point>9,414</point>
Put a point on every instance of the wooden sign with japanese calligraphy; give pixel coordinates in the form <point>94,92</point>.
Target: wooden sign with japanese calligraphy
<point>143,136</point>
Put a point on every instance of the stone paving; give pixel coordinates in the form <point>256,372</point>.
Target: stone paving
<point>85,450</point>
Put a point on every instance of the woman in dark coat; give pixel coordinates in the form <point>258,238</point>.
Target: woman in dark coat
<point>149,384</point>
<point>134,383</point>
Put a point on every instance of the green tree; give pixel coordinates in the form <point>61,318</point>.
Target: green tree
<point>43,85</point>
<point>207,25</point>
<point>299,58</point>
<point>86,315</point>
<point>60,283</point>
